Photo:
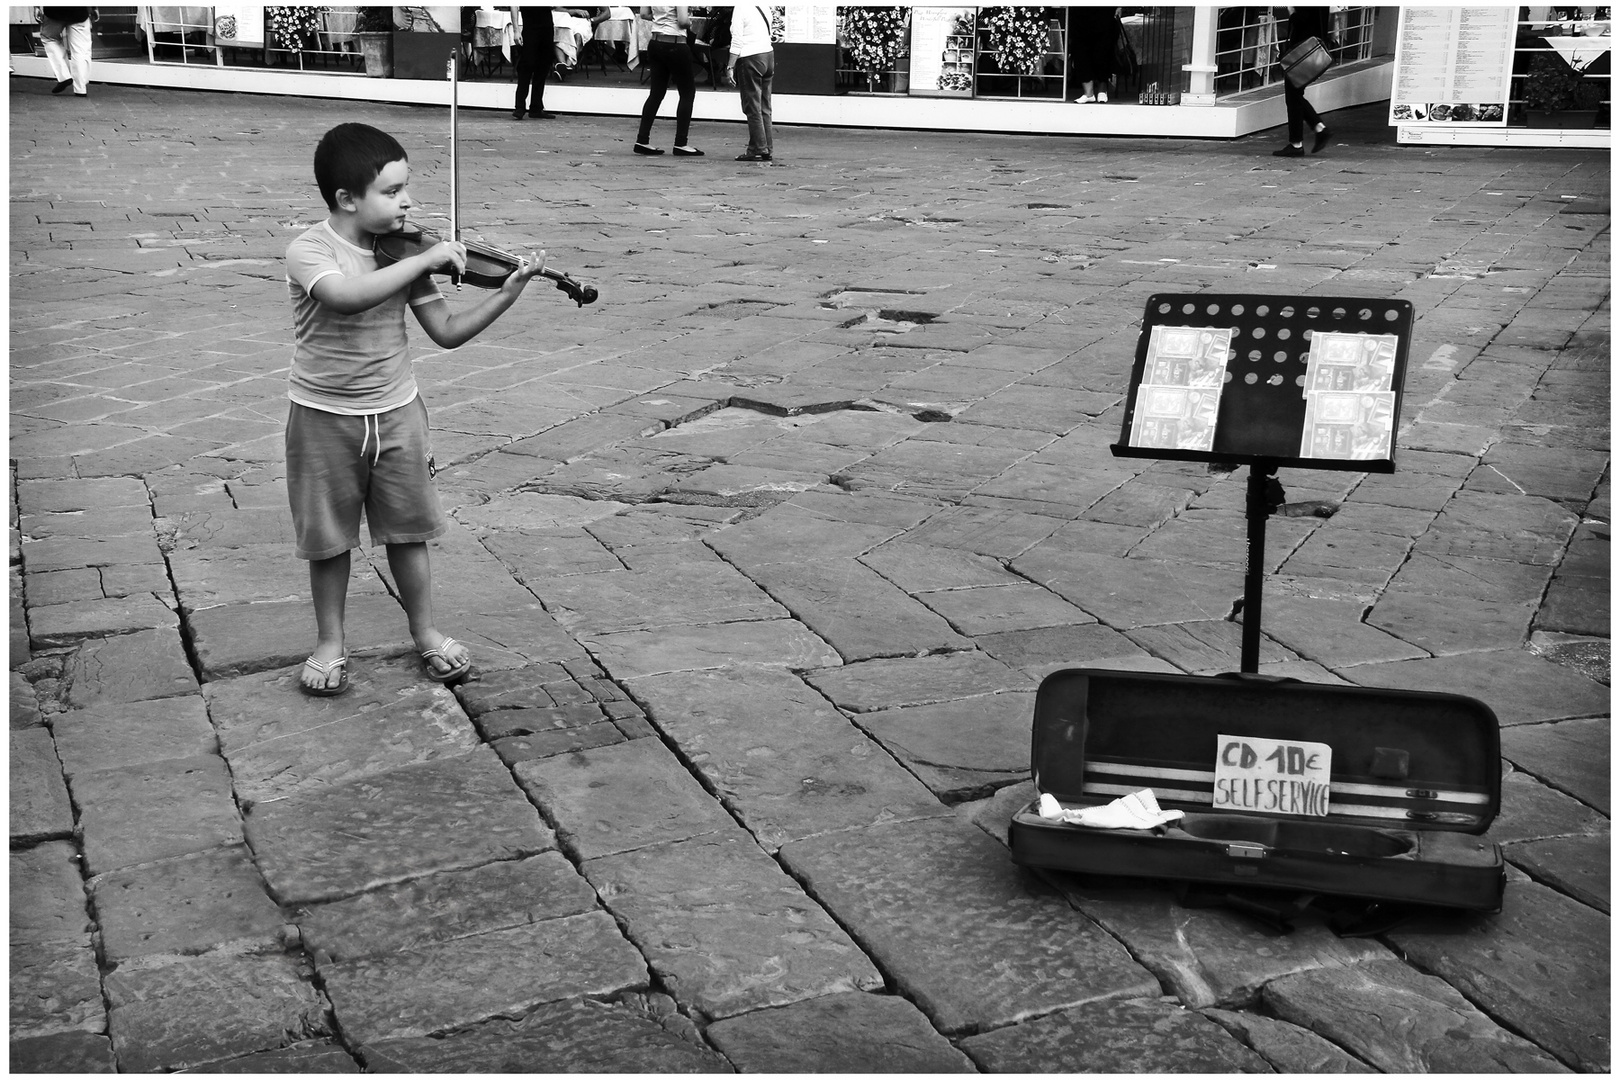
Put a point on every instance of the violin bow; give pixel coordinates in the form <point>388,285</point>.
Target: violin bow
<point>455,232</point>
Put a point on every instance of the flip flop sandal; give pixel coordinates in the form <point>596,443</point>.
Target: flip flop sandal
<point>325,672</point>
<point>456,671</point>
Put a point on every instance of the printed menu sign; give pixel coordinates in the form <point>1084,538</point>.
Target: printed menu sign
<point>1180,392</point>
<point>1349,399</point>
<point>1453,65</point>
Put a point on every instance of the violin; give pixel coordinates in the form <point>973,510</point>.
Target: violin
<point>487,267</point>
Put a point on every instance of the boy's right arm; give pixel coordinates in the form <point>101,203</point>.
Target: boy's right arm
<point>350,295</point>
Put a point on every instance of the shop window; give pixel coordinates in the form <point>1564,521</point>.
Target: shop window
<point>1021,53</point>
<point>1248,41</point>
<point>1561,62</point>
<point>874,50</point>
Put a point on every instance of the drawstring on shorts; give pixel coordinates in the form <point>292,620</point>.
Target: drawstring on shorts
<point>373,431</point>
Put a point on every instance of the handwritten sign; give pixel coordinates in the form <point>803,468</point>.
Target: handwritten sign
<point>1270,776</point>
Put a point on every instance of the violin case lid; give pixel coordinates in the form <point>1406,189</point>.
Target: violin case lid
<point>1414,780</point>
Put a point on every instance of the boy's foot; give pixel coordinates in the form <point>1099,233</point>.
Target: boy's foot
<point>688,151</point>
<point>643,148</point>
<point>61,86</point>
<point>1322,138</point>
<point>327,678</point>
<point>447,661</point>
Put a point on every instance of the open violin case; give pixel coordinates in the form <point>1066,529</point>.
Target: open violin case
<point>1409,782</point>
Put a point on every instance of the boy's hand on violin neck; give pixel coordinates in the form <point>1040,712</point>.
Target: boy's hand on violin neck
<point>527,268</point>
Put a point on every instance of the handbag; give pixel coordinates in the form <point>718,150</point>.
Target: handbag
<point>1305,62</point>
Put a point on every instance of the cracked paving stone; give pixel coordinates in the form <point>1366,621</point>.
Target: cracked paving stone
<point>1138,1036</point>
<point>849,1032</point>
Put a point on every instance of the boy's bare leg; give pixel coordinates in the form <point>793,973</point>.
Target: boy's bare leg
<point>414,576</point>
<point>329,585</point>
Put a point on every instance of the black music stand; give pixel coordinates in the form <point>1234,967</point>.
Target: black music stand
<point>1308,382</point>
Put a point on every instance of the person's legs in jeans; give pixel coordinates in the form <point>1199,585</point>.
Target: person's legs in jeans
<point>657,60</point>
<point>765,101</point>
<point>749,88</point>
<point>680,70</point>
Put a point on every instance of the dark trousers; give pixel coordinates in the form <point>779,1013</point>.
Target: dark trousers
<point>533,61</point>
<point>668,60</point>
<point>754,75</point>
<point>1300,112</point>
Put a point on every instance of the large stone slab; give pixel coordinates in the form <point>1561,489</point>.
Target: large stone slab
<point>1533,810</point>
<point>974,941</point>
<point>159,810</point>
<point>187,905</point>
<point>260,573</point>
<point>847,1032</point>
<point>306,1058</point>
<point>1038,653</point>
<point>67,553</point>
<point>1126,593</point>
<point>1541,967</point>
<point>1572,756</point>
<point>1456,625</point>
<point>926,567</point>
<point>444,906</point>
<point>56,625</point>
<point>242,639</point>
<point>39,806</point>
<point>1577,866</point>
<point>1289,1048</point>
<point>1514,528</point>
<point>130,667</point>
<point>1205,646</point>
<point>120,733</point>
<point>279,746</point>
<point>451,984</point>
<point>723,927</point>
<point>689,593</point>
<point>1331,632</point>
<point>634,1034</point>
<point>442,815</point>
<point>778,756</point>
<point>961,749</point>
<point>1440,1031</point>
<point>47,895</point>
<point>784,533</point>
<point>857,610</point>
<point>635,654</point>
<point>1207,956</point>
<point>72,1052</point>
<point>1519,686</point>
<point>55,987</point>
<point>1456,576</point>
<point>996,609</point>
<point>916,680</point>
<point>621,797</point>
<point>1142,1036</point>
<point>200,1009</point>
<point>69,495</point>
<point>1576,604</point>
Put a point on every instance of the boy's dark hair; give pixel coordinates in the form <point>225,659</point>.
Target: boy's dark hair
<point>350,156</point>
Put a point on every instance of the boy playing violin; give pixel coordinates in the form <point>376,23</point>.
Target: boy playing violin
<point>357,430</point>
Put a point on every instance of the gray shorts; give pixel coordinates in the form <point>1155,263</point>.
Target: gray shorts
<point>338,465</point>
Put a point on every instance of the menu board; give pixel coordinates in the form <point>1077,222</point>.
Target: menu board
<point>933,57</point>
<point>810,24</point>
<point>1349,396</point>
<point>1453,65</point>
<point>1180,393</point>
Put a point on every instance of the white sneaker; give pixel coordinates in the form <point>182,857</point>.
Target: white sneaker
<point>1101,97</point>
<point>1086,99</point>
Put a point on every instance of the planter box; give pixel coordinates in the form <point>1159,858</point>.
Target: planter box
<point>1561,118</point>
<point>378,51</point>
<point>423,55</point>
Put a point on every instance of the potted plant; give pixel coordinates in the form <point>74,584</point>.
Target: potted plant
<point>875,39</point>
<point>374,30</point>
<point>1557,96</point>
<point>293,29</point>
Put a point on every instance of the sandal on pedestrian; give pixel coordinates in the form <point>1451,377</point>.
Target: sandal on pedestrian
<point>456,670</point>
<point>324,670</point>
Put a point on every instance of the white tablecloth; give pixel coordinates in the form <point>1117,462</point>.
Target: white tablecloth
<point>1579,51</point>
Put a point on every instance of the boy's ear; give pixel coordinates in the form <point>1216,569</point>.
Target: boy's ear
<point>345,200</point>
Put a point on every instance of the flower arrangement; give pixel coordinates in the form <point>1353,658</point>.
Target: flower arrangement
<point>291,27</point>
<point>778,23</point>
<point>225,28</point>
<point>1017,37</point>
<point>874,37</point>
<point>955,80</point>
<point>1553,85</point>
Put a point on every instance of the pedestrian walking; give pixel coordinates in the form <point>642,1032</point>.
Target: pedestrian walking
<point>65,32</point>
<point>357,428</point>
<point>1303,23</point>
<point>751,68</point>
<point>1093,49</point>
<point>668,56</point>
<point>535,34</point>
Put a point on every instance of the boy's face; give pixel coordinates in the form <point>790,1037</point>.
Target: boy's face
<point>382,207</point>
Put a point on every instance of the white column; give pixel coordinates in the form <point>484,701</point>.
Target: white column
<point>1201,72</point>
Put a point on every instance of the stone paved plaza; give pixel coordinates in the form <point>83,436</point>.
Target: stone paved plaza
<point>761,559</point>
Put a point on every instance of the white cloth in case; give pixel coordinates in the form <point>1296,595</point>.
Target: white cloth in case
<point>1138,810</point>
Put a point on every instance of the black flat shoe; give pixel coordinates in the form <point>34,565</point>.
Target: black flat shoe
<point>651,151</point>
<point>688,151</point>
<point>544,115</point>
<point>518,115</point>
<point>753,157</point>
<point>1322,138</point>
<point>61,86</point>
<point>1289,151</point>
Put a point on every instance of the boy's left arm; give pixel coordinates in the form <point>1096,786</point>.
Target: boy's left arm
<point>448,328</point>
